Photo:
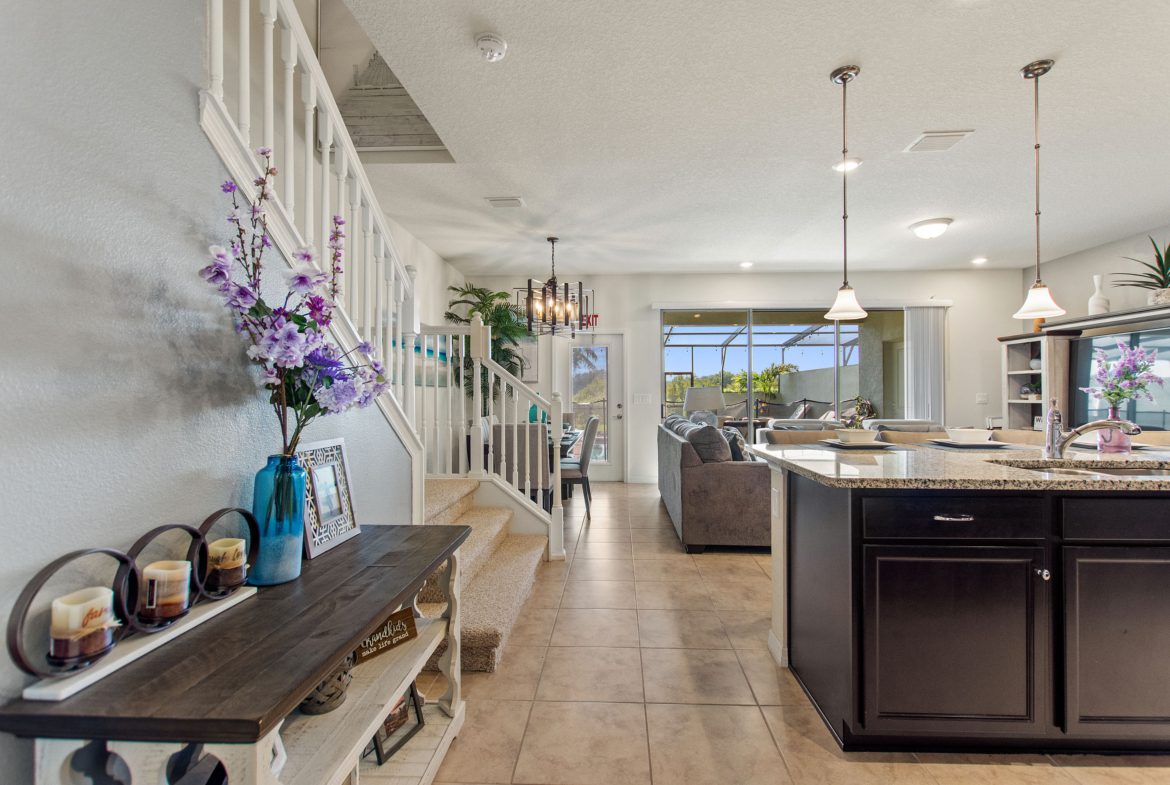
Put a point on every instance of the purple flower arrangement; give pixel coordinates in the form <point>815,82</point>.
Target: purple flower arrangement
<point>1130,377</point>
<point>306,374</point>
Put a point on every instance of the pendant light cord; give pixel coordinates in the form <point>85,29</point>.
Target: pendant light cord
<point>1036,137</point>
<point>844,185</point>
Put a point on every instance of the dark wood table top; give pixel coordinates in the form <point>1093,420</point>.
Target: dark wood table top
<point>234,677</point>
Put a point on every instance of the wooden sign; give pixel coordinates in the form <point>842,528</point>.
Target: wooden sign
<point>397,629</point>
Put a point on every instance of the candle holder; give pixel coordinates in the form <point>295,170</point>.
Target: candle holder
<point>71,653</point>
<point>152,612</point>
<point>222,577</point>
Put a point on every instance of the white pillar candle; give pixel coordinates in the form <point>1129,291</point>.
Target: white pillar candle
<point>226,553</point>
<point>167,588</point>
<point>90,608</point>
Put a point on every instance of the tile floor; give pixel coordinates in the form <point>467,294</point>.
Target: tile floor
<point>635,663</point>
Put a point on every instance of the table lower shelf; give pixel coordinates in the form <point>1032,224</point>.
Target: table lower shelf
<point>418,761</point>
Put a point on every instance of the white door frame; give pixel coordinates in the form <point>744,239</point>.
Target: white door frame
<point>625,468</point>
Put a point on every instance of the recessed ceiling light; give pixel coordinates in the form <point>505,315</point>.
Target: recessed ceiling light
<point>930,228</point>
<point>848,165</point>
<point>979,260</point>
<point>745,265</point>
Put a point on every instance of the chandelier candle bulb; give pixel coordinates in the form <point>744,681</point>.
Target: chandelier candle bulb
<point>82,624</point>
<point>226,561</point>
<point>167,590</point>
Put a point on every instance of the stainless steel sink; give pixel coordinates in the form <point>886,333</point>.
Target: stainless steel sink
<point>1065,468</point>
<point>1128,472</point>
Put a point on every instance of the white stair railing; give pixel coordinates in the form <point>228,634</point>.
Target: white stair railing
<point>476,419</point>
<point>319,173</point>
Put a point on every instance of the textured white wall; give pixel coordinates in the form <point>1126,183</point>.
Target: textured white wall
<point>127,398</point>
<point>983,303</point>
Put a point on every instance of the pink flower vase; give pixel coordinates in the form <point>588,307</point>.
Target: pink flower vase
<point>1113,441</point>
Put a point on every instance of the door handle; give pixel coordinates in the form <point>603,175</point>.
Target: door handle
<point>618,417</point>
<point>1043,574</point>
<point>964,518</point>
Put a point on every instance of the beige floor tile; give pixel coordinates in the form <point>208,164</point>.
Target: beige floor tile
<point>604,550</point>
<point>585,744</point>
<point>745,595</point>
<point>602,570</point>
<point>599,594</point>
<point>487,747</point>
<point>814,758</point>
<point>1116,770</point>
<point>667,568</point>
<point>604,535</point>
<point>533,628</point>
<point>978,769</point>
<point>515,678</point>
<point>595,627</point>
<point>771,684</point>
<point>546,593</point>
<point>604,521</point>
<point>712,745</point>
<point>591,673</point>
<point>694,676</point>
<point>672,595</point>
<point>747,629</point>
<point>719,567</point>
<point>664,547</point>
<point>553,570</point>
<point>657,522</point>
<point>665,629</point>
<point>663,534</point>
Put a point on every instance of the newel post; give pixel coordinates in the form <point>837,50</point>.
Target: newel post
<point>478,347</point>
<point>556,527</point>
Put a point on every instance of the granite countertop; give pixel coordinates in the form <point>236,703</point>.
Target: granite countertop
<point>914,466</point>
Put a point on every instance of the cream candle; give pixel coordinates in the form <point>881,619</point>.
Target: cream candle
<point>81,623</point>
<point>166,592</point>
<point>226,560</point>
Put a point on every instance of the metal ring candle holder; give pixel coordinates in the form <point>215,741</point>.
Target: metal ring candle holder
<point>122,609</point>
<point>253,549</point>
<point>196,554</point>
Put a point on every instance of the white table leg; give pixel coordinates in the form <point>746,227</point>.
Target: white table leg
<point>450,663</point>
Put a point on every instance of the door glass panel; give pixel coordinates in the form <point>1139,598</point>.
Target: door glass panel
<point>591,397</point>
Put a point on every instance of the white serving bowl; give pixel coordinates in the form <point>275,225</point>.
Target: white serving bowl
<point>855,436</point>
<point>969,435</point>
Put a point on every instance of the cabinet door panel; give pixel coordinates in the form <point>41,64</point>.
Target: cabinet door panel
<point>954,639</point>
<point>1117,640</point>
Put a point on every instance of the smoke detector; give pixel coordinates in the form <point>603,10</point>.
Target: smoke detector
<point>937,141</point>
<point>492,46</point>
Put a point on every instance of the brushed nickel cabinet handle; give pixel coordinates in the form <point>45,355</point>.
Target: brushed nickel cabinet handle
<point>1045,574</point>
<point>954,518</point>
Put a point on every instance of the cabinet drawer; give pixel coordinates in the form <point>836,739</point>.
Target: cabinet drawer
<point>1117,519</point>
<point>970,517</point>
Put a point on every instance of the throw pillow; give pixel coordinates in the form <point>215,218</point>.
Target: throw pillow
<point>738,444</point>
<point>709,443</point>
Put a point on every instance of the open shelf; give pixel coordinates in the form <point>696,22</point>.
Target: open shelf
<point>418,761</point>
<point>324,749</point>
<point>1036,402</point>
<point>1025,373</point>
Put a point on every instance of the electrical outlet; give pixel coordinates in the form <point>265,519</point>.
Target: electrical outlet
<point>981,398</point>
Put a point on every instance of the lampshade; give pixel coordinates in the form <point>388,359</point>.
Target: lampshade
<point>1039,304</point>
<point>846,307</point>
<point>703,399</point>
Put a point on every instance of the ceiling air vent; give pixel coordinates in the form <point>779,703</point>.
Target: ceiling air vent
<point>937,141</point>
<point>504,201</point>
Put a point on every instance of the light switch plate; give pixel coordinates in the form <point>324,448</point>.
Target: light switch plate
<point>980,397</point>
<point>642,399</point>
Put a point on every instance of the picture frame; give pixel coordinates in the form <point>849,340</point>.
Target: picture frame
<point>397,730</point>
<point>329,516</point>
<point>529,352</point>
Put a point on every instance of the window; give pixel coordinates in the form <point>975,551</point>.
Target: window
<point>591,396</point>
<point>784,363</point>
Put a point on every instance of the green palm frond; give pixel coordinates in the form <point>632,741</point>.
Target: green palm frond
<point>1158,276</point>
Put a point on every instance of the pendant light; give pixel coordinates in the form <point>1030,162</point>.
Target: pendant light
<point>551,306</point>
<point>845,307</point>
<point>1039,303</point>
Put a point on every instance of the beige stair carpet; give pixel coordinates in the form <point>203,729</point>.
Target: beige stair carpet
<point>446,500</point>
<point>489,529</point>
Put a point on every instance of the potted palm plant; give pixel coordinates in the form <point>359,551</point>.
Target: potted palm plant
<point>1157,280</point>
<point>505,319</point>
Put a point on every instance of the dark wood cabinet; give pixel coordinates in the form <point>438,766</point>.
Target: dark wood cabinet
<point>1117,640</point>
<point>955,640</point>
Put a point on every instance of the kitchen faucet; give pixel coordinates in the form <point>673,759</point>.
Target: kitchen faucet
<point>1057,440</point>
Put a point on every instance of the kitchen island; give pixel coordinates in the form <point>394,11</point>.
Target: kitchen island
<point>930,598</point>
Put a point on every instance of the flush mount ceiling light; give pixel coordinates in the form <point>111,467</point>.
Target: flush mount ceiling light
<point>979,260</point>
<point>551,306</point>
<point>1039,303</point>
<point>845,306</point>
<point>931,228</point>
<point>847,165</point>
<point>492,46</point>
<point>745,265</point>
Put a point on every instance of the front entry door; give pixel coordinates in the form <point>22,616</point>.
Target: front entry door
<point>599,391</point>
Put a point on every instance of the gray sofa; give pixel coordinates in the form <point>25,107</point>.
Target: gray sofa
<point>715,503</point>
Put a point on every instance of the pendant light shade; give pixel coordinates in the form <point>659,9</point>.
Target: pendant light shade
<point>1039,303</point>
<point>845,307</point>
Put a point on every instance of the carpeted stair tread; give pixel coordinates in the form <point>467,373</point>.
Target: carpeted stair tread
<point>489,529</point>
<point>492,602</point>
<point>446,500</point>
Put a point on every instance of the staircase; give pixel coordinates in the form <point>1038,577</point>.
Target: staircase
<point>499,569</point>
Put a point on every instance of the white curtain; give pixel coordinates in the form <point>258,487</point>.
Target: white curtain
<point>925,358</point>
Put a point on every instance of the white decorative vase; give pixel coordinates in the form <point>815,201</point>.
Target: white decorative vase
<point>1098,303</point>
<point>1158,297</point>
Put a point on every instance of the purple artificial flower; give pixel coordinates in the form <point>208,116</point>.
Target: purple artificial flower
<point>219,253</point>
<point>320,309</point>
<point>217,273</point>
<point>339,396</point>
<point>228,187</point>
<point>305,254</point>
<point>324,363</point>
<point>264,152</point>
<point>305,278</point>
<point>366,348</point>
<point>284,344</point>
<point>239,297</point>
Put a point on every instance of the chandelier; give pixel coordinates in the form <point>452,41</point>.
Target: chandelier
<point>553,306</point>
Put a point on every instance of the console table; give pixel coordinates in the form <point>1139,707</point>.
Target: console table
<point>230,688</point>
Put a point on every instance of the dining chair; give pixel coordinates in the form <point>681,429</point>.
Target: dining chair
<point>576,472</point>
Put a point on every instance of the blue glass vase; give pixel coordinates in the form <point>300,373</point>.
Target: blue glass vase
<point>279,507</point>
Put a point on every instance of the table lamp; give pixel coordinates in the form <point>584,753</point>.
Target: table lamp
<point>703,399</point>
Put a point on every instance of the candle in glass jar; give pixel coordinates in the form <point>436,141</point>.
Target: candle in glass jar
<point>82,624</point>
<point>167,589</point>
<point>226,558</point>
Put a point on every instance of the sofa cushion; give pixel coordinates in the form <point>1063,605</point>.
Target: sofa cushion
<point>737,443</point>
<point>709,443</point>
